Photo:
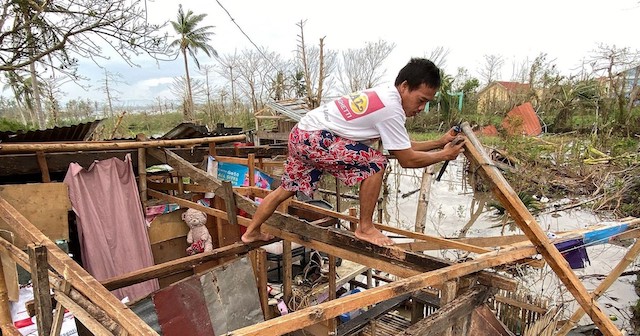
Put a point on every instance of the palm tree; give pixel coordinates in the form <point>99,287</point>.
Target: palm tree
<point>191,39</point>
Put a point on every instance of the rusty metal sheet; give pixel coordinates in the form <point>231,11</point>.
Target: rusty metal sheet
<point>182,309</point>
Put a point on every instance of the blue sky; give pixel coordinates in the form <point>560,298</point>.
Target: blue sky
<point>566,30</point>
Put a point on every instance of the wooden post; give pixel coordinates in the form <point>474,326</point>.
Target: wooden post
<point>353,224</point>
<point>212,149</point>
<point>58,317</point>
<point>44,168</point>
<point>142,175</point>
<point>41,291</point>
<point>288,271</point>
<point>259,257</point>
<point>5,311</point>
<point>528,224</point>
<point>338,197</point>
<point>252,169</point>
<point>332,289</point>
<point>230,201</point>
<point>628,258</point>
<point>423,199</point>
<point>448,294</point>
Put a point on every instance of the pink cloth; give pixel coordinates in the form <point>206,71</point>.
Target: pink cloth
<point>111,226</point>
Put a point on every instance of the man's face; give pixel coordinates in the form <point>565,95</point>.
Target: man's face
<point>413,102</point>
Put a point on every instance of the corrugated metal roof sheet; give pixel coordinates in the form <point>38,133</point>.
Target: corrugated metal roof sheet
<point>522,120</point>
<point>294,109</point>
<point>79,132</point>
<point>190,130</point>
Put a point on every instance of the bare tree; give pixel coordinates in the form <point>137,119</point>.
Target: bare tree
<point>490,70</point>
<point>107,85</point>
<point>620,68</point>
<point>438,56</point>
<point>228,69</point>
<point>317,65</point>
<point>362,68</point>
<point>51,35</point>
<point>68,28</point>
<point>179,89</point>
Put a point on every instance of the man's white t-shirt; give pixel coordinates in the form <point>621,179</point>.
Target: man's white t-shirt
<point>363,116</point>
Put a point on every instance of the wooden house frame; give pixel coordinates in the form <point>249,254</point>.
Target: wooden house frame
<point>463,285</point>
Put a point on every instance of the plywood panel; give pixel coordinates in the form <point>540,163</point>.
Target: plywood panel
<point>45,205</point>
<point>168,226</point>
<point>170,250</point>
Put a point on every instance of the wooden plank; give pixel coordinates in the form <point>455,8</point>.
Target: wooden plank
<point>79,278</point>
<point>327,310</point>
<point>440,321</point>
<point>142,174</point>
<point>41,292</point>
<point>448,295</point>
<point>179,265</point>
<point>527,223</point>
<point>628,258</point>
<point>45,205</point>
<point>261,281</point>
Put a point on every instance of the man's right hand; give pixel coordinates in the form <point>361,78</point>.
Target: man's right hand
<point>454,148</point>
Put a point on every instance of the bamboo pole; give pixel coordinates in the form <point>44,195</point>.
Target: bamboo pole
<point>628,258</point>
<point>104,145</point>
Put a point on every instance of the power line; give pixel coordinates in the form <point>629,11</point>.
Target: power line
<point>247,36</point>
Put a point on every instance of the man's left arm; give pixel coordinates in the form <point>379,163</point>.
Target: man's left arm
<point>434,144</point>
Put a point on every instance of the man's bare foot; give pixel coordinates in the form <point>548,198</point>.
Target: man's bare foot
<point>250,237</point>
<point>373,236</point>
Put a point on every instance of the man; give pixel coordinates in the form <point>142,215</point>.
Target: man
<point>335,138</point>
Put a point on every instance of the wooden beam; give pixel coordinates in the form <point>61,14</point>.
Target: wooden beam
<point>445,243</point>
<point>528,224</point>
<point>41,292</point>
<point>628,258</point>
<point>79,278</point>
<point>308,316</point>
<point>105,145</point>
<point>180,265</point>
<point>441,320</point>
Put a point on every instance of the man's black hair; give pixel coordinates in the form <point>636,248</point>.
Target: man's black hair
<point>419,71</point>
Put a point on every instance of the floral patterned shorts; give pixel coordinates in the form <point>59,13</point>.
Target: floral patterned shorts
<point>313,152</point>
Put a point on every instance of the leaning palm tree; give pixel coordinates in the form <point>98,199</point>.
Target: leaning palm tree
<point>191,39</point>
